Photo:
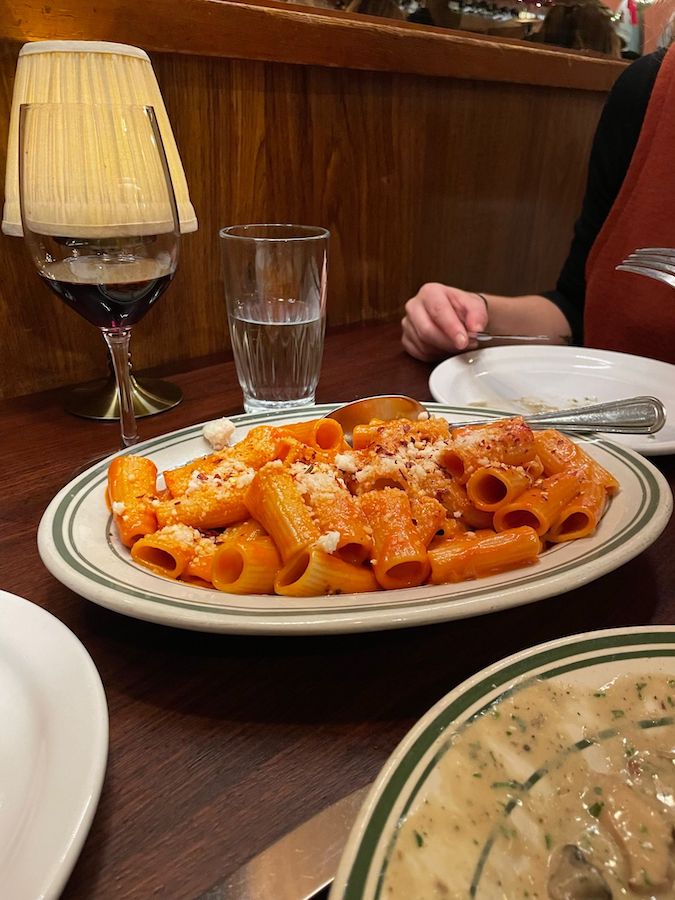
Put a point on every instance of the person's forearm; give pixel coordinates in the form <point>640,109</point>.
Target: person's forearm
<point>529,314</point>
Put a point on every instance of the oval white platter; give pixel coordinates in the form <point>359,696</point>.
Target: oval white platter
<point>411,777</point>
<point>78,545</point>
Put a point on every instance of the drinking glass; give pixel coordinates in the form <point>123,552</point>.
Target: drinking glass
<point>99,218</point>
<point>275,290</point>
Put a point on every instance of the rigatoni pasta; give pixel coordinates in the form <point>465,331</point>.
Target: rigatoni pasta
<point>295,511</point>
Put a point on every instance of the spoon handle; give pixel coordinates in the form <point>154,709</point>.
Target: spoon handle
<point>634,415</point>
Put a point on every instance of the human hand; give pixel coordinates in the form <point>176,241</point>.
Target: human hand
<point>438,318</point>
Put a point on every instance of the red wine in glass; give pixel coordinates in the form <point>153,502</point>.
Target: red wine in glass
<point>113,304</point>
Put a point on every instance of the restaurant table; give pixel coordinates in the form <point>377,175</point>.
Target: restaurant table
<point>219,744</point>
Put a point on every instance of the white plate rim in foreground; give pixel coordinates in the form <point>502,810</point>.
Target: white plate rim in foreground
<point>59,753</point>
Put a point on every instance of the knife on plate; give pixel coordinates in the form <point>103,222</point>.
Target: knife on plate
<point>298,865</point>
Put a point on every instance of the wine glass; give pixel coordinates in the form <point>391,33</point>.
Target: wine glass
<point>100,218</point>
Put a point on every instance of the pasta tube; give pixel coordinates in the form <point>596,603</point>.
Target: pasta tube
<point>540,506</point>
<point>580,517</point>
<point>273,498</point>
<point>400,556</point>
<point>509,441</point>
<point>335,511</point>
<point>131,486</point>
<point>454,498</point>
<point>178,479</point>
<point>260,445</point>
<point>428,516</point>
<point>451,529</point>
<point>320,434</point>
<point>389,435</point>
<point>168,551</point>
<point>313,572</point>
<point>557,453</point>
<point>214,504</point>
<point>492,486</point>
<point>246,565</point>
<point>475,556</point>
<point>198,569</point>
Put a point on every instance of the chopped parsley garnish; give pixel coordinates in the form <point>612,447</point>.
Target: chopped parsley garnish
<point>595,809</point>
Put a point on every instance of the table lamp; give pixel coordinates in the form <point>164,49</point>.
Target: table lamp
<point>93,72</point>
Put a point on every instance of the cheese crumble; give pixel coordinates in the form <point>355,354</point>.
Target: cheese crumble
<point>218,433</point>
<point>329,541</point>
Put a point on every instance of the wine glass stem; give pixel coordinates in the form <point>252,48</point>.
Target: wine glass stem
<point>118,344</point>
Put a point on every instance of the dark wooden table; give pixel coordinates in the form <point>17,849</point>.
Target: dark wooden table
<point>219,744</point>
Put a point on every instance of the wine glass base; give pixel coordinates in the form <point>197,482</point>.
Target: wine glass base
<point>100,400</point>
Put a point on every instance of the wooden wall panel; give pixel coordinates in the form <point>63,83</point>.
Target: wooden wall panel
<point>417,177</point>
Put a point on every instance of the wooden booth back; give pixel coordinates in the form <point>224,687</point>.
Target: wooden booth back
<point>429,154</point>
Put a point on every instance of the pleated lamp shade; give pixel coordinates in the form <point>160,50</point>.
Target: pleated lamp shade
<point>94,171</point>
<point>88,72</point>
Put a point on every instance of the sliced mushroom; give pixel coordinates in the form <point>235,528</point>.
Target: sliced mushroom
<point>642,830</point>
<point>573,877</point>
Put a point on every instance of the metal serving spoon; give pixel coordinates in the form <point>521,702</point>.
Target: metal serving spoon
<point>634,415</point>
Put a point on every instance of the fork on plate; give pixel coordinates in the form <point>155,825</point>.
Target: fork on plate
<point>652,262</point>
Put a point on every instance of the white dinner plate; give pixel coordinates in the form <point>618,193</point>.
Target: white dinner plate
<point>542,378</point>
<point>418,778</point>
<point>79,546</point>
<point>53,749</point>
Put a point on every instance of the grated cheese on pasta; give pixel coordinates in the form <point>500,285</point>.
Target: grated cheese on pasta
<point>329,541</point>
<point>183,534</point>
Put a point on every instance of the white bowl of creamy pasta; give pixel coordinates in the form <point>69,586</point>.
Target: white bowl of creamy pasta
<point>550,774</point>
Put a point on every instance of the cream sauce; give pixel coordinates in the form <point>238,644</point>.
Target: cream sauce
<point>512,790</point>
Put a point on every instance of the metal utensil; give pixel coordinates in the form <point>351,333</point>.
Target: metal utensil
<point>484,337</point>
<point>634,415</point>
<point>298,865</point>
<point>652,262</point>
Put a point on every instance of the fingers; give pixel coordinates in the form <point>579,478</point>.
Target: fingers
<point>433,321</point>
<point>437,319</point>
<point>476,314</point>
<point>413,345</point>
